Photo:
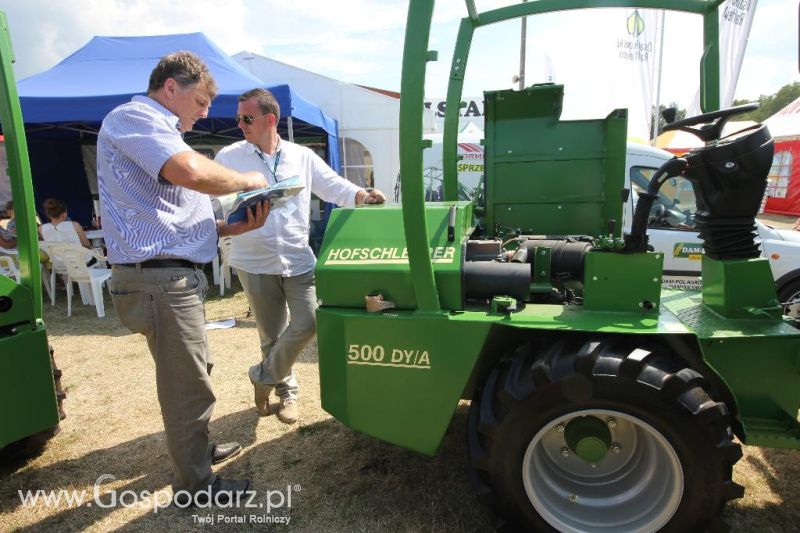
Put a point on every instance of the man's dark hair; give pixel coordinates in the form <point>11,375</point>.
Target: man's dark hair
<point>184,67</point>
<point>266,101</point>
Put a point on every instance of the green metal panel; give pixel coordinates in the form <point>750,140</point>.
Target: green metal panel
<point>365,252</point>
<point>19,172</point>
<point>397,376</point>
<point>759,359</point>
<point>623,282</point>
<point>19,301</point>
<point>27,393</point>
<point>740,288</point>
<point>546,176</point>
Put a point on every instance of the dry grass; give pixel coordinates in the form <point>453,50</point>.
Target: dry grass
<point>348,482</point>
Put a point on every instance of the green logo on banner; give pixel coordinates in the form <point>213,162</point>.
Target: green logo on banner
<point>688,250</point>
<point>635,24</point>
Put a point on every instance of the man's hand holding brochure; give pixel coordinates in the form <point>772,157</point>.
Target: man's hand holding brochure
<point>236,205</point>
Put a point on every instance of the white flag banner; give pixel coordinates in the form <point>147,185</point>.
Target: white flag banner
<point>736,17</point>
<point>549,69</point>
<point>633,76</point>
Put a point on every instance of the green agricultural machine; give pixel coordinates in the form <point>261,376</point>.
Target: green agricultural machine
<point>599,400</point>
<point>30,389</point>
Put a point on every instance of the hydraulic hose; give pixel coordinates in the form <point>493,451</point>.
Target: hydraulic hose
<point>636,240</point>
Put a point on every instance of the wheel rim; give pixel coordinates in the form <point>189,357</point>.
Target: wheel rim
<point>636,486</point>
<point>793,299</point>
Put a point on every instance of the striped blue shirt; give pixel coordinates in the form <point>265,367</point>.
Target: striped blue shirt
<point>144,215</point>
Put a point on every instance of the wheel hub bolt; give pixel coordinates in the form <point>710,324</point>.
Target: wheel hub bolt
<point>616,448</point>
<point>564,452</point>
<point>611,423</point>
<point>560,428</point>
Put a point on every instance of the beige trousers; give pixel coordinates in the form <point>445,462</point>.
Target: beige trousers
<point>283,336</point>
<point>166,306</point>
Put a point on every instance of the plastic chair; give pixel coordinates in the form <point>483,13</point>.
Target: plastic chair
<point>224,275</point>
<point>57,267</point>
<point>8,267</point>
<point>72,259</point>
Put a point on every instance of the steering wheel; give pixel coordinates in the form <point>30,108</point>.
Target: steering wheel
<point>714,122</point>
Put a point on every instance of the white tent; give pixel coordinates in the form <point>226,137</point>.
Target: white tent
<point>786,122</point>
<point>369,128</point>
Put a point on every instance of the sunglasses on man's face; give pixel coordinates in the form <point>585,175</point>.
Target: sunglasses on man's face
<point>247,119</point>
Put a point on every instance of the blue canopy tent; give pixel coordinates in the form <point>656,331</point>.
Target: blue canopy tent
<point>63,107</point>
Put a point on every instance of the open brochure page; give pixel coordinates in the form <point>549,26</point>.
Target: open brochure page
<point>235,205</point>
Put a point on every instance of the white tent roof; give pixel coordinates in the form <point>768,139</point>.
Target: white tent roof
<point>786,122</point>
<point>369,117</point>
<point>353,106</point>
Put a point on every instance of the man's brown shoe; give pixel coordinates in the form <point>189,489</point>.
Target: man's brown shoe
<point>288,411</point>
<point>262,400</point>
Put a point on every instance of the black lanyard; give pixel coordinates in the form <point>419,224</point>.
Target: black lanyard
<point>274,169</point>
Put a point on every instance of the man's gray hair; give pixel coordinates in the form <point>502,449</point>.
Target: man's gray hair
<point>187,69</point>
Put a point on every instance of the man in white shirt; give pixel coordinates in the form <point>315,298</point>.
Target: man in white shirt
<point>275,262</point>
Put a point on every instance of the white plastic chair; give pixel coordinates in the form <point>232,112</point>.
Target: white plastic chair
<point>72,259</point>
<point>8,267</point>
<point>224,275</point>
<point>57,267</point>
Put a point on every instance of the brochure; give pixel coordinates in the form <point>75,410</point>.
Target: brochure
<point>234,206</point>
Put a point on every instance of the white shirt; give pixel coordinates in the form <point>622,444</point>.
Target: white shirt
<point>280,246</point>
<point>64,232</point>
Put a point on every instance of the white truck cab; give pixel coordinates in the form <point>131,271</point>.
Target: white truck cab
<point>671,228</point>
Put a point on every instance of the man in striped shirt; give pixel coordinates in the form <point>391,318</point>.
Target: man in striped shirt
<point>159,229</point>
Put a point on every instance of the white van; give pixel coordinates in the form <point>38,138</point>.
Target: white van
<point>671,228</point>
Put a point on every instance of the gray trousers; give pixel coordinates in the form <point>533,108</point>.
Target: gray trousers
<point>282,339</point>
<point>166,306</point>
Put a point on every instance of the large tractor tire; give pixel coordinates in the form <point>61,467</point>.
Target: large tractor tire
<point>600,436</point>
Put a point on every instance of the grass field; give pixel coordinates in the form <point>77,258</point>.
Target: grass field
<point>339,480</point>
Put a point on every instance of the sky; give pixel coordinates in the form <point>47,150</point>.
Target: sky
<point>361,41</point>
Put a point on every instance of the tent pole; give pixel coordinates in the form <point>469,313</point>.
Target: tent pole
<point>657,107</point>
<point>289,127</point>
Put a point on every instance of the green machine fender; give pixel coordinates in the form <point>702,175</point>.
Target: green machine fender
<point>386,374</point>
<point>29,399</point>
